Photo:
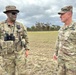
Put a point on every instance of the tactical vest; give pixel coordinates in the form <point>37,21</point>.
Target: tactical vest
<point>10,38</point>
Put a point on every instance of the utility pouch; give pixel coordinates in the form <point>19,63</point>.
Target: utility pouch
<point>7,47</point>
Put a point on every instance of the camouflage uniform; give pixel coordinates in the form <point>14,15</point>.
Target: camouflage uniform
<point>13,52</point>
<point>66,43</point>
<point>66,50</point>
<point>2,71</point>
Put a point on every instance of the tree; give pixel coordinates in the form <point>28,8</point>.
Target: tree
<point>43,27</point>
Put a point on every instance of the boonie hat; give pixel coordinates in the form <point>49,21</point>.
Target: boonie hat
<point>10,8</point>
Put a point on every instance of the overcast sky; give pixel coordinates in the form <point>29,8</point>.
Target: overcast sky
<point>32,11</point>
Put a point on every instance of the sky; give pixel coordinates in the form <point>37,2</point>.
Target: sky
<point>33,11</point>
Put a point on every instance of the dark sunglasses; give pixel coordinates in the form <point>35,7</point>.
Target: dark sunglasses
<point>13,13</point>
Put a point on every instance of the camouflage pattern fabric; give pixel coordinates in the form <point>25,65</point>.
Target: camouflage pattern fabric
<point>66,50</point>
<point>66,9</point>
<point>2,71</point>
<point>12,52</point>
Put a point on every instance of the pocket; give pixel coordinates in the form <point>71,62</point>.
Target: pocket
<point>3,44</point>
<point>7,46</point>
<point>10,46</point>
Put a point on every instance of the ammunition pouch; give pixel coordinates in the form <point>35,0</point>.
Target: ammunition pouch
<point>23,43</point>
<point>7,47</point>
<point>19,46</point>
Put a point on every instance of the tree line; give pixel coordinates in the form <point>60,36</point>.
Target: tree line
<point>43,27</point>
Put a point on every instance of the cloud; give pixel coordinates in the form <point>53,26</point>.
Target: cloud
<point>32,11</point>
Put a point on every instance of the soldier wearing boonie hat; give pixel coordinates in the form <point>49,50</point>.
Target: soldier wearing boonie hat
<point>13,43</point>
<point>10,8</point>
<point>65,52</point>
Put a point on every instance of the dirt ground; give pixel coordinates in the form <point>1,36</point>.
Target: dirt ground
<point>42,47</point>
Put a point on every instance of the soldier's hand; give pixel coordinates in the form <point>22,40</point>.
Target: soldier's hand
<point>54,57</point>
<point>26,53</point>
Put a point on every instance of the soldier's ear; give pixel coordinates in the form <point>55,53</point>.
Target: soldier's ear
<point>69,13</point>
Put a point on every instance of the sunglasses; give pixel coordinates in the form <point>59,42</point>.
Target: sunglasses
<point>13,13</point>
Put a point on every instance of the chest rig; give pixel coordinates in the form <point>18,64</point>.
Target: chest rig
<point>11,33</point>
<point>11,38</point>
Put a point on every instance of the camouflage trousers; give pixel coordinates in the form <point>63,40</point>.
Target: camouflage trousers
<point>2,71</point>
<point>15,63</point>
<point>66,67</point>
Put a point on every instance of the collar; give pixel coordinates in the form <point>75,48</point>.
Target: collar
<point>68,26</point>
<point>9,24</point>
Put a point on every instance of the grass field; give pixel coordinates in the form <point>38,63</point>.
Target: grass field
<point>42,47</point>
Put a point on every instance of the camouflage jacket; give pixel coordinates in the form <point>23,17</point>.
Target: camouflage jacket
<point>66,42</point>
<point>17,31</point>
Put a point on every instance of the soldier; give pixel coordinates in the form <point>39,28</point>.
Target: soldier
<point>13,43</point>
<point>66,43</point>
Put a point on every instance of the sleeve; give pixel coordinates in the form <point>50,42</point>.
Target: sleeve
<point>57,46</point>
<point>0,30</point>
<point>25,37</point>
